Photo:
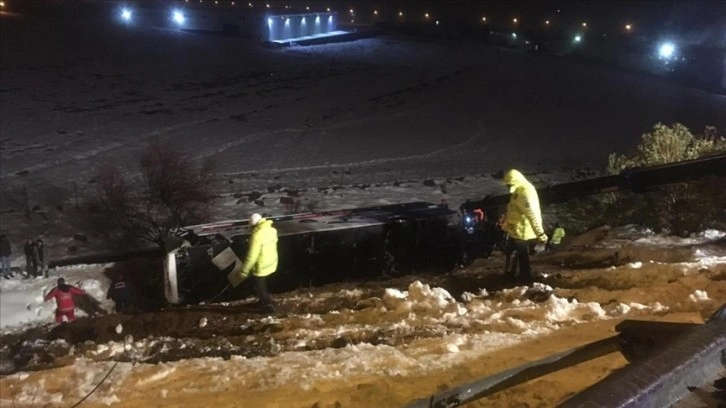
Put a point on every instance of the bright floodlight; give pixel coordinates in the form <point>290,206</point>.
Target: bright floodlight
<point>514,35</point>
<point>578,38</point>
<point>126,14</point>
<point>667,50</point>
<point>178,17</point>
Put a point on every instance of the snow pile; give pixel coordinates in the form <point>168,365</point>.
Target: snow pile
<point>698,296</point>
<point>418,297</point>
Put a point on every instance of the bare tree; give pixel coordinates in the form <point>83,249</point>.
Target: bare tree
<point>170,192</point>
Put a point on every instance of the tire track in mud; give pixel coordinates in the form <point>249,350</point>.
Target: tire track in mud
<point>177,334</point>
<point>304,322</point>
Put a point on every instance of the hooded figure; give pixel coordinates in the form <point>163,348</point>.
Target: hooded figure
<point>522,223</point>
<point>523,219</point>
<point>65,306</point>
<point>261,259</point>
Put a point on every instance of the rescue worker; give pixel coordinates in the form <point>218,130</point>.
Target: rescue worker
<point>557,236</point>
<point>523,223</point>
<point>261,259</point>
<point>121,293</point>
<point>65,306</point>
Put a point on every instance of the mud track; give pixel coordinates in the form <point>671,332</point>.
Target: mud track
<point>234,328</point>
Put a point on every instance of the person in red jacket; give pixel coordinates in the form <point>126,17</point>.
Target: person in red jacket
<point>65,306</point>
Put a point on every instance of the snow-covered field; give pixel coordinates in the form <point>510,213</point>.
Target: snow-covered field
<point>359,123</point>
<point>367,112</point>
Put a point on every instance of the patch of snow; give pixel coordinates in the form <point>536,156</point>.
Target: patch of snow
<point>635,265</point>
<point>163,372</point>
<point>698,296</point>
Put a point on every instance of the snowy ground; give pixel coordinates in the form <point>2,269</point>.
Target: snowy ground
<point>359,123</point>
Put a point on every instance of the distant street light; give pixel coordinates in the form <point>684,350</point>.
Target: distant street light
<point>547,22</point>
<point>375,12</point>
<point>178,17</point>
<point>125,13</point>
<point>628,27</point>
<point>667,50</point>
<point>515,21</point>
<point>400,13</point>
<point>584,24</point>
<point>427,15</point>
<point>484,19</point>
<point>578,38</point>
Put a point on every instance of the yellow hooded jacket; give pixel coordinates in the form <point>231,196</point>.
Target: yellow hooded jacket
<point>524,219</point>
<point>557,235</point>
<point>261,257</point>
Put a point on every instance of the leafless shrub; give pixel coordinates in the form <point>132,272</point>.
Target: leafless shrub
<point>170,192</point>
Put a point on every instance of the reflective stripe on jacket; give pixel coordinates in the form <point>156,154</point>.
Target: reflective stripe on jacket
<point>524,219</point>
<point>261,257</point>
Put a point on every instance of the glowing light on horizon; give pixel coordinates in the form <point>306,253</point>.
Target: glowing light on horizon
<point>667,50</point>
<point>126,14</point>
<point>178,17</point>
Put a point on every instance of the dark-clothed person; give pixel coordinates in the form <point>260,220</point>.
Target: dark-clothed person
<point>121,293</point>
<point>65,306</point>
<point>30,265</point>
<point>40,255</point>
<point>5,252</point>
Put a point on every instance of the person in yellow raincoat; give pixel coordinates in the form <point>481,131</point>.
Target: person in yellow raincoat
<point>556,238</point>
<point>261,260</point>
<point>522,223</point>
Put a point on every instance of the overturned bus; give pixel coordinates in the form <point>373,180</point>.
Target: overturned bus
<point>397,239</point>
<point>315,249</point>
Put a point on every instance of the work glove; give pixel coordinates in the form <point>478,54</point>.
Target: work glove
<point>542,238</point>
